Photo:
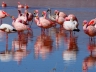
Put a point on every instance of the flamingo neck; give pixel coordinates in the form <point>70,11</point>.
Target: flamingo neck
<point>57,17</point>
<point>38,21</point>
<point>37,14</point>
<point>49,13</point>
<point>45,15</point>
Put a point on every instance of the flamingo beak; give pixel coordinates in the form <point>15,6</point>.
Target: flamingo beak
<point>47,10</point>
<point>83,24</point>
<point>34,13</point>
<point>42,14</point>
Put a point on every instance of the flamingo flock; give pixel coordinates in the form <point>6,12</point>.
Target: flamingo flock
<point>43,45</point>
<point>66,22</point>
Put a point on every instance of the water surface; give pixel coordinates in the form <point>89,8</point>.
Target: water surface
<point>54,51</point>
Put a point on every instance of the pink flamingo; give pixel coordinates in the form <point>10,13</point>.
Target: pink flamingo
<point>73,17</point>
<point>42,21</point>
<point>44,13</point>
<point>26,6</point>
<point>60,17</point>
<point>61,14</point>
<point>30,15</point>
<point>4,4</point>
<point>20,5</point>
<point>3,14</point>
<point>20,26</point>
<point>27,16</point>
<point>89,29</point>
<point>19,19</point>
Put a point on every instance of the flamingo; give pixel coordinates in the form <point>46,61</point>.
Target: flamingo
<point>73,17</point>
<point>44,14</point>
<point>4,4</point>
<point>61,14</point>
<point>3,14</point>
<point>89,29</point>
<point>30,15</point>
<point>71,25</point>
<point>20,5</point>
<point>22,18</point>
<point>8,29</point>
<point>19,19</point>
<point>20,26</point>
<point>26,6</point>
<point>60,17</point>
<point>51,17</point>
<point>43,22</point>
<point>27,16</point>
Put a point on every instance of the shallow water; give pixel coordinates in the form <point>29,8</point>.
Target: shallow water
<point>55,52</point>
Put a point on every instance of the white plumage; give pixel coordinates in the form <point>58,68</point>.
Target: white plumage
<point>7,28</point>
<point>70,25</point>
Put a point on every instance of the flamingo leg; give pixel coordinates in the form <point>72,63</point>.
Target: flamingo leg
<point>61,27</point>
<point>1,20</point>
<point>91,39</point>
<point>6,37</point>
<point>6,41</point>
<point>31,22</point>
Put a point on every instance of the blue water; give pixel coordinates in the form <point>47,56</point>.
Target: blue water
<point>53,58</point>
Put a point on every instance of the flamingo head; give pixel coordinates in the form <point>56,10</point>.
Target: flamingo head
<point>3,2</point>
<point>18,2</point>
<point>49,9</point>
<point>12,17</point>
<point>91,22</point>
<point>36,12</point>
<point>85,22</point>
<point>25,4</point>
<point>43,13</point>
<point>56,12</point>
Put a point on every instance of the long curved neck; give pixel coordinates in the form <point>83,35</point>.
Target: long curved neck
<point>49,13</point>
<point>38,21</point>
<point>37,14</point>
<point>45,15</point>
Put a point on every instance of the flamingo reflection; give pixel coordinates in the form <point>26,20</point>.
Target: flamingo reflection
<point>6,55</point>
<point>72,48</point>
<point>19,47</point>
<point>90,61</point>
<point>43,46</point>
<point>60,37</point>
